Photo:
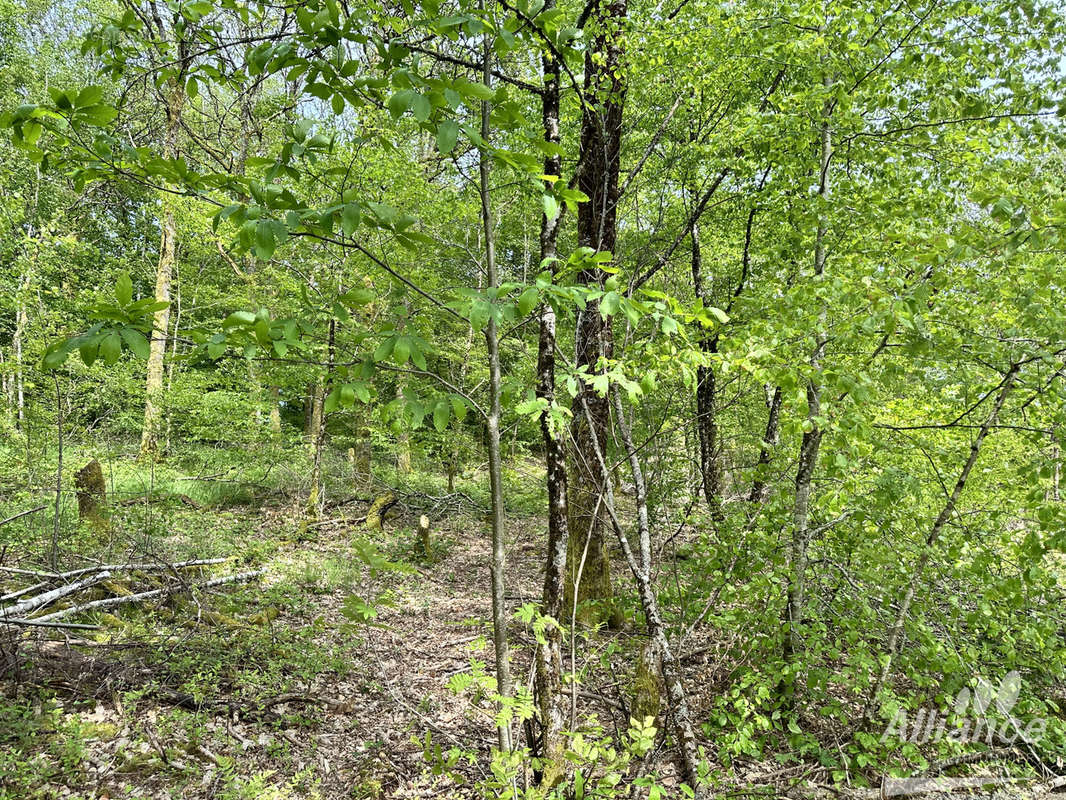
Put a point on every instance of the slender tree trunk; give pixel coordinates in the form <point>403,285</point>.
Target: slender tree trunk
<point>680,714</point>
<point>275,410</point>
<point>812,436</point>
<point>54,557</point>
<point>21,321</point>
<point>766,447</point>
<point>154,394</point>
<point>492,345</point>
<point>316,497</point>
<point>601,135</point>
<point>170,367</point>
<point>931,538</point>
<point>706,400</point>
<point>549,656</point>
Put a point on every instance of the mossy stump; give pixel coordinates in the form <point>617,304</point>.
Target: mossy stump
<point>92,495</point>
<point>647,687</point>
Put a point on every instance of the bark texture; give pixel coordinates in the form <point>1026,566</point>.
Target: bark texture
<point>550,743</point>
<point>600,149</point>
<point>152,431</point>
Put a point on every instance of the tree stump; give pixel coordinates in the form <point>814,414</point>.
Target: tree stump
<point>92,494</point>
<point>647,687</point>
<point>423,536</point>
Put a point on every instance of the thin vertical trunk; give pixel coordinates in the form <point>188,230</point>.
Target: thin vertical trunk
<point>706,400</point>
<point>492,345</point>
<point>601,136</point>
<point>275,410</point>
<point>642,569</point>
<point>170,366</point>
<point>551,705</point>
<point>812,436</point>
<point>316,496</point>
<point>154,394</point>
<point>21,321</point>
<point>766,447</point>
<point>54,559</point>
<point>930,540</point>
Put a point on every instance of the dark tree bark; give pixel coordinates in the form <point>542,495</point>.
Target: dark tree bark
<point>766,447</point>
<point>550,743</point>
<point>601,136</point>
<point>706,399</point>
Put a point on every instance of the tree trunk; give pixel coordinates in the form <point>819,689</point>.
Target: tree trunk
<point>812,436</point>
<point>934,533</point>
<point>706,411</point>
<point>766,447</point>
<point>275,410</point>
<point>551,744</point>
<point>316,498</point>
<point>154,395</point>
<point>492,345</point>
<point>670,666</point>
<point>601,135</point>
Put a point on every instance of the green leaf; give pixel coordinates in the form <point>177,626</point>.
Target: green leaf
<point>88,350</point>
<point>264,240</point>
<point>111,348</point>
<point>480,311</point>
<point>400,102</point>
<point>238,318</point>
<point>89,96</point>
<point>527,301</point>
<point>421,107</point>
<point>384,350</point>
<point>609,304</point>
<point>357,297</point>
<point>441,412</point>
<point>350,219</point>
<point>447,136</point>
<point>123,289</point>
<point>550,206</point>
<point>136,342</point>
<point>402,350</point>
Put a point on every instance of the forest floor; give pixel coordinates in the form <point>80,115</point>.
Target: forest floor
<point>291,687</point>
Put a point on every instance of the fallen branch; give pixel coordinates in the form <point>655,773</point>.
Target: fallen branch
<point>23,514</point>
<point>41,600</point>
<point>111,602</point>
<point>154,566</point>
<point>36,623</point>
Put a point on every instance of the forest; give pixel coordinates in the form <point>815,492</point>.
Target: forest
<point>532,399</point>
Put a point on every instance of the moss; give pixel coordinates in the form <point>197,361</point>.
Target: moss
<point>646,689</point>
<point>92,495</point>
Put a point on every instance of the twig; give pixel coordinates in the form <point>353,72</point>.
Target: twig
<point>23,514</point>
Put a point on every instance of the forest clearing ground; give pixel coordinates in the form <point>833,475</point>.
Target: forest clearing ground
<point>342,708</point>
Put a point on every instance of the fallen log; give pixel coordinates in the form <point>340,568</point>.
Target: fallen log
<point>111,602</point>
<point>41,600</point>
<point>151,566</point>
